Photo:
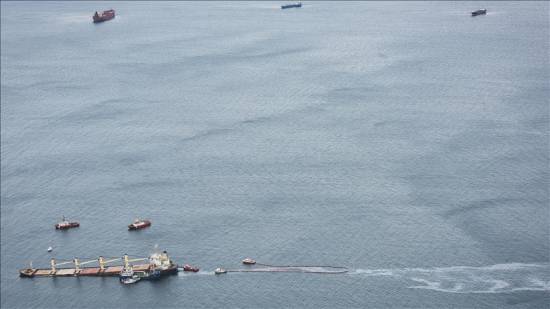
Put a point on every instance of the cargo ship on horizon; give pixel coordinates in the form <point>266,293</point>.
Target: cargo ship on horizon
<point>106,15</point>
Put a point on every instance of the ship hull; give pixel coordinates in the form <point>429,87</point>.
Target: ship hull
<point>105,16</point>
<point>67,226</point>
<point>479,12</point>
<point>289,6</point>
<point>110,271</point>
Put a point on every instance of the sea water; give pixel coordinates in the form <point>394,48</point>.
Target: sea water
<point>407,141</point>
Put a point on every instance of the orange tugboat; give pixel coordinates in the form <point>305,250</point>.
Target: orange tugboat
<point>106,15</point>
<point>139,224</point>
<point>65,224</point>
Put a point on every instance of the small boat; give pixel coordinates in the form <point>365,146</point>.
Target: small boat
<point>188,267</point>
<point>479,12</point>
<point>249,261</point>
<point>50,249</point>
<point>27,272</point>
<point>106,15</point>
<point>219,271</point>
<point>65,224</point>
<point>139,224</point>
<point>293,5</point>
<point>127,276</point>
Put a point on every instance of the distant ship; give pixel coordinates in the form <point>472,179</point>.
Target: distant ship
<point>289,6</point>
<point>479,12</point>
<point>106,15</point>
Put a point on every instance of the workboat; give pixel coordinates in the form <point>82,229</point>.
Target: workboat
<point>27,272</point>
<point>249,261</point>
<point>479,12</point>
<point>139,224</point>
<point>65,224</point>
<point>106,15</point>
<point>219,271</point>
<point>127,276</point>
<point>188,267</point>
<point>293,5</point>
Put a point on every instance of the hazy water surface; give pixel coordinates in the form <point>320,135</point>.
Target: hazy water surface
<point>406,141</point>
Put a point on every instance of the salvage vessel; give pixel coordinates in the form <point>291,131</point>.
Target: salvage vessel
<point>139,224</point>
<point>66,224</point>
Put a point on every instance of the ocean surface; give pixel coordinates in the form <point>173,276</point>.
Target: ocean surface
<point>406,141</point>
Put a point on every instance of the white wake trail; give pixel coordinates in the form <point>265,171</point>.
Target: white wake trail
<point>499,278</point>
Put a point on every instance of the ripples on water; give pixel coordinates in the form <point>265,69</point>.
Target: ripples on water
<point>374,135</point>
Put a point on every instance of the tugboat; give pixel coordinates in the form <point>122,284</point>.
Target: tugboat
<point>249,261</point>
<point>188,267</point>
<point>293,5</point>
<point>65,224</point>
<point>127,276</point>
<point>106,15</point>
<point>219,271</point>
<point>139,224</point>
<point>479,12</point>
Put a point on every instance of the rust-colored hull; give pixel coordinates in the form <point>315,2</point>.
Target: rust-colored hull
<point>105,16</point>
<point>88,271</point>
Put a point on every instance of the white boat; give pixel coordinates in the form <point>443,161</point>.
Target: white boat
<point>249,261</point>
<point>127,276</point>
<point>50,249</point>
<point>130,280</point>
<point>219,271</point>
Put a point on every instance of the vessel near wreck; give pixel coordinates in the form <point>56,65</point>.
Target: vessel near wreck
<point>139,224</point>
<point>106,15</point>
<point>66,224</point>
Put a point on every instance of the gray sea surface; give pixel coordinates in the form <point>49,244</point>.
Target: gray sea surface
<point>407,141</point>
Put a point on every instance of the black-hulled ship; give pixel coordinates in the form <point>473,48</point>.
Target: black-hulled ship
<point>293,5</point>
<point>479,12</point>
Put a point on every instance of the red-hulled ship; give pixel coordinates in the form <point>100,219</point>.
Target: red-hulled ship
<point>65,224</point>
<point>139,224</point>
<point>188,267</point>
<point>106,15</point>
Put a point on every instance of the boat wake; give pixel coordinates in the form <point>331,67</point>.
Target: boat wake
<point>499,278</point>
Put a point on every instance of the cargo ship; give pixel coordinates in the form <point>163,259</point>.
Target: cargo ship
<point>293,5</point>
<point>106,15</point>
<point>479,12</point>
<point>66,224</point>
<point>157,265</point>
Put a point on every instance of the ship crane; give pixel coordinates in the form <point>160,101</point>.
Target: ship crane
<point>157,264</point>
